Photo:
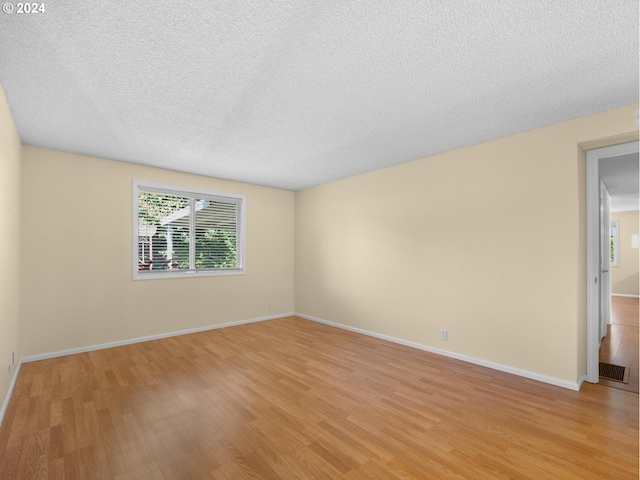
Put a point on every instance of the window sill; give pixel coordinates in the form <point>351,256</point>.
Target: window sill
<point>167,274</point>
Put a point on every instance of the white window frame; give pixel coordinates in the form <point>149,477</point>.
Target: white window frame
<point>182,191</point>
<point>615,224</point>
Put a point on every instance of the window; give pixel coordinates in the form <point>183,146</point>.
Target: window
<point>614,241</point>
<point>179,232</point>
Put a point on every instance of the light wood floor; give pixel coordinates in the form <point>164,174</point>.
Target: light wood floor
<point>293,399</point>
<point>620,346</point>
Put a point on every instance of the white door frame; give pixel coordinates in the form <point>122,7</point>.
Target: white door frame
<point>593,250</point>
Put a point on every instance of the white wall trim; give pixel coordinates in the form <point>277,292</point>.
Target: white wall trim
<point>477,361</point>
<point>581,380</point>
<point>119,343</point>
<point>5,404</point>
<point>624,295</point>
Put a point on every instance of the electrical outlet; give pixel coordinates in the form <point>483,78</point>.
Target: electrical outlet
<point>269,306</point>
<point>13,358</point>
<point>444,335</point>
<point>9,370</point>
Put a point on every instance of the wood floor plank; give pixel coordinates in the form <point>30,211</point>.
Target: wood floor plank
<point>293,399</point>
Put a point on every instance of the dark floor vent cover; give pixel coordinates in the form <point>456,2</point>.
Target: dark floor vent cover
<point>614,372</point>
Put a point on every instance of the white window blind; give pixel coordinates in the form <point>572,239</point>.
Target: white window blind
<point>185,233</point>
<point>614,242</point>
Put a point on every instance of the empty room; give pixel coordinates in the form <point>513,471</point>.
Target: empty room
<point>318,240</point>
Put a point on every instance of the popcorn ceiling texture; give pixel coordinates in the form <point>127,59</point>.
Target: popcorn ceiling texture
<point>292,94</point>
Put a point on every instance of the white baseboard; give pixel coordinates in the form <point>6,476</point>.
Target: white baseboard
<point>101,346</point>
<point>624,295</point>
<point>5,404</point>
<point>496,366</point>
<point>477,361</point>
<point>583,378</point>
<point>119,343</point>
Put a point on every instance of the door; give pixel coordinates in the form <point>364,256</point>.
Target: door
<point>605,259</point>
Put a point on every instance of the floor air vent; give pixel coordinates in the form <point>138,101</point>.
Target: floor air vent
<point>614,372</point>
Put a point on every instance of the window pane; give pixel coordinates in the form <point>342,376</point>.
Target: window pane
<point>181,233</point>
<point>163,232</point>
<point>216,234</point>
<point>612,247</point>
<point>614,238</point>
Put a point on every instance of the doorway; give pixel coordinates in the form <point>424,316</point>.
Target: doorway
<point>598,275</point>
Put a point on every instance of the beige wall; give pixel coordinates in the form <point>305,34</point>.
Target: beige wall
<point>9,245</point>
<point>487,242</point>
<point>77,254</point>
<point>624,278</point>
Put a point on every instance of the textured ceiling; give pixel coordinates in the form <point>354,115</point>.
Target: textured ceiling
<point>621,175</point>
<point>295,93</point>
